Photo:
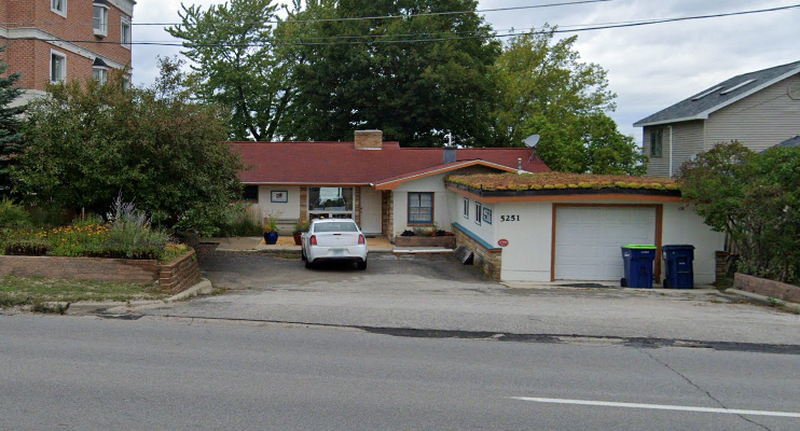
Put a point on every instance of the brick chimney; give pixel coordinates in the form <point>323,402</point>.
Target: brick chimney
<point>369,140</point>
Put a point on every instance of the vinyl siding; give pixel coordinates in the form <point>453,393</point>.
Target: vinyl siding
<point>759,121</point>
<point>687,141</point>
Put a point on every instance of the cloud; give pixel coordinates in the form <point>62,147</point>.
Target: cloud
<point>650,67</point>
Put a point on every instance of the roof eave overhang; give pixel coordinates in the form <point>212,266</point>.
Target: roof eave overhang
<point>290,183</point>
<point>670,121</point>
<point>391,184</point>
<point>565,195</point>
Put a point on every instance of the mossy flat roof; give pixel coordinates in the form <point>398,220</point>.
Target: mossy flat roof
<point>560,180</point>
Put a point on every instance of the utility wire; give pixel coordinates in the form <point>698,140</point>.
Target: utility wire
<point>587,27</point>
<point>355,18</point>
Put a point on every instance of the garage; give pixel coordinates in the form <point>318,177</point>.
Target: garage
<point>588,238</point>
<point>558,227</point>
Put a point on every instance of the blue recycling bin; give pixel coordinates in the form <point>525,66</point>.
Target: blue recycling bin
<point>679,266</point>
<point>638,261</point>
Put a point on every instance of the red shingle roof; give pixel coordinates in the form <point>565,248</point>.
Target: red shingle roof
<point>340,163</point>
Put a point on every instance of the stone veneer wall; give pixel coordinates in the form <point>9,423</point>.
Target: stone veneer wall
<point>357,205</point>
<point>177,275</point>
<point>387,215</point>
<point>722,265</point>
<point>303,203</point>
<point>762,286</point>
<point>489,260</point>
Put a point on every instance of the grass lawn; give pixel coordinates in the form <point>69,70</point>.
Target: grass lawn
<point>20,291</point>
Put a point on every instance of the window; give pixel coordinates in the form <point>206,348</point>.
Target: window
<point>100,20</point>
<point>420,207</point>
<point>466,208</point>
<point>59,7</point>
<point>478,211</point>
<point>100,74</point>
<point>656,140</point>
<point>250,193</point>
<point>487,215</point>
<point>330,199</point>
<point>125,32</point>
<point>58,67</point>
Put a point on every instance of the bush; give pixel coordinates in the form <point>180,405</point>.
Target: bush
<point>12,215</point>
<point>26,247</point>
<point>238,221</point>
<point>755,199</point>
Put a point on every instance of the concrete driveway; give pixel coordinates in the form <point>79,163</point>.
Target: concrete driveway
<point>438,293</point>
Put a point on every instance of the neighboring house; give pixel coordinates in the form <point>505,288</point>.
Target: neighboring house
<point>385,188</point>
<point>791,142</point>
<point>545,229</point>
<point>57,40</point>
<point>759,109</point>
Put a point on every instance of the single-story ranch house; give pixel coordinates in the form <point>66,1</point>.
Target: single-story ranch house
<point>521,221</point>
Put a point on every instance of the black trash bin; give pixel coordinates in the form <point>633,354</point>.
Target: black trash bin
<point>638,261</point>
<point>678,264</point>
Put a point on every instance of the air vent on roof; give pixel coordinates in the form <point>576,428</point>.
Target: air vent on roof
<point>737,86</point>
<point>704,94</point>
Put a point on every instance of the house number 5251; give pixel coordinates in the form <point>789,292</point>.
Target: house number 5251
<point>514,217</point>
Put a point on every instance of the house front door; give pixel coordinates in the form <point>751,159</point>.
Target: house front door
<point>370,211</point>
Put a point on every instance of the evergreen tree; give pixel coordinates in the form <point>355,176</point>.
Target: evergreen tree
<point>10,136</point>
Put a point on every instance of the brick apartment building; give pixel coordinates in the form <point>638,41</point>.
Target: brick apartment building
<point>58,40</point>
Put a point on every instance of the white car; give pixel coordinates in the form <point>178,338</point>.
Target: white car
<point>335,239</point>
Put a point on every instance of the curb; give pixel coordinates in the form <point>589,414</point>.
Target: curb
<point>766,300</point>
<point>203,287</point>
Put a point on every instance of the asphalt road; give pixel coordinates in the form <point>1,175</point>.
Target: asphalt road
<point>91,373</point>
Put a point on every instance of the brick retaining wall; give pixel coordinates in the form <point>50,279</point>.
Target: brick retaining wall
<point>763,286</point>
<point>177,275</point>
<point>489,260</point>
<point>180,274</point>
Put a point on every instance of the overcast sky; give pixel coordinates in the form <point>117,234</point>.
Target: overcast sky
<point>649,67</point>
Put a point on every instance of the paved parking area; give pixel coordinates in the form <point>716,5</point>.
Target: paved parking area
<point>437,292</point>
<point>386,271</point>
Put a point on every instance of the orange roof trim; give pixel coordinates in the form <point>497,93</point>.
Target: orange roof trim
<point>392,183</point>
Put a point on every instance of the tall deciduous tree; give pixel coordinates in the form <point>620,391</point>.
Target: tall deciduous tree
<point>544,88</point>
<point>10,136</point>
<point>87,143</point>
<point>237,63</point>
<point>372,73</point>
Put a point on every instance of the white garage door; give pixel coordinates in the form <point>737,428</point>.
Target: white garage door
<point>588,240</point>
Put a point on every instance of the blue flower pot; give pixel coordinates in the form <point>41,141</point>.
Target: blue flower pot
<point>271,237</point>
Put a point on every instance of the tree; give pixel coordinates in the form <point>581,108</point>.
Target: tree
<point>238,64</point>
<point>755,200</point>
<point>363,74</point>
<point>543,88</point>
<point>10,136</point>
<point>88,143</point>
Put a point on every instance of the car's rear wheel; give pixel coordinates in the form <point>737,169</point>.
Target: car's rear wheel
<point>361,264</point>
<point>309,265</point>
<point>302,255</point>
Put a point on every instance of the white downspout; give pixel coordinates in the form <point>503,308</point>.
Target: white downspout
<point>670,151</point>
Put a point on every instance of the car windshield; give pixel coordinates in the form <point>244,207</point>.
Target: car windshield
<point>336,226</point>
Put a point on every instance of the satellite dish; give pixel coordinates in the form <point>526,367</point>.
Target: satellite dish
<point>531,141</point>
